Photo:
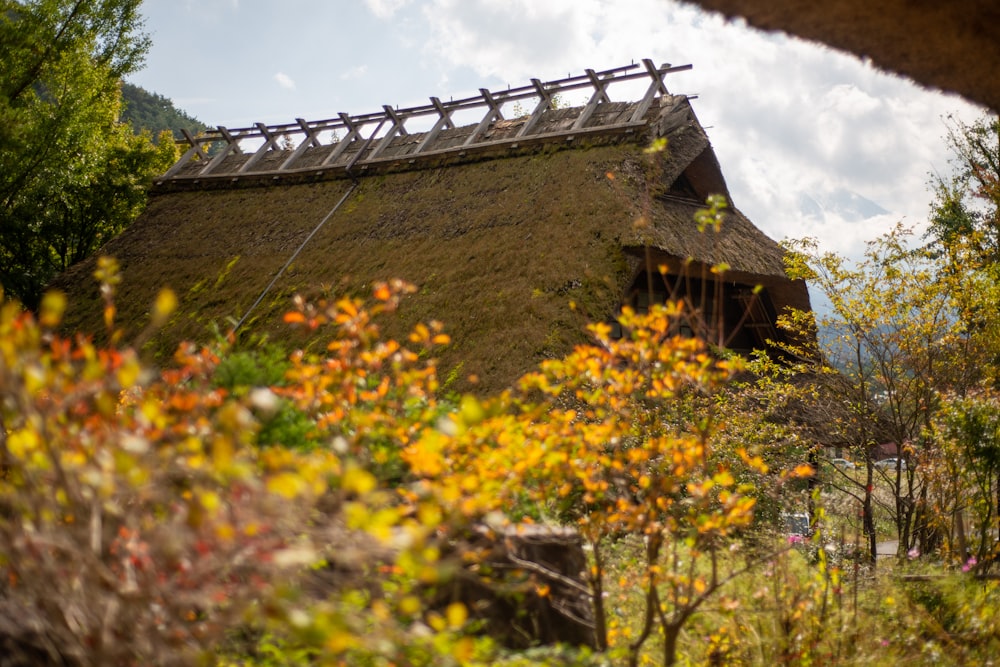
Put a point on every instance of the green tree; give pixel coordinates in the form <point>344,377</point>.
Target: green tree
<point>900,340</point>
<point>71,175</point>
<point>967,203</point>
<point>889,315</point>
<point>967,487</point>
<point>155,113</point>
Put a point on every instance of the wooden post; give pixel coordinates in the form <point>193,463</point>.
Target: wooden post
<point>232,146</point>
<point>309,140</point>
<point>544,103</point>
<point>655,86</point>
<point>492,114</point>
<point>188,155</point>
<point>444,121</point>
<point>364,146</point>
<point>270,144</point>
<point>397,128</point>
<point>352,136</point>
<point>600,95</point>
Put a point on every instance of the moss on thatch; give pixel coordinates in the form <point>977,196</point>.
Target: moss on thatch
<point>498,249</point>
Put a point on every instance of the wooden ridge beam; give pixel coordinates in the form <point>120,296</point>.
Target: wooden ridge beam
<point>598,81</point>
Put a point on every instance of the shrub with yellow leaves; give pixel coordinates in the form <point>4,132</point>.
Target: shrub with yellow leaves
<point>617,436</point>
<point>137,525</point>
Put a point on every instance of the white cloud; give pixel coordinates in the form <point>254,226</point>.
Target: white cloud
<point>385,9</point>
<point>357,72</point>
<point>284,81</point>
<point>201,5</point>
<point>790,121</point>
<point>787,118</point>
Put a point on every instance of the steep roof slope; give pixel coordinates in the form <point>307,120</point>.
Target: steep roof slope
<point>498,247</point>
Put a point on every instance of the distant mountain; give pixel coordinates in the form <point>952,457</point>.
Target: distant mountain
<point>844,204</point>
<point>149,111</point>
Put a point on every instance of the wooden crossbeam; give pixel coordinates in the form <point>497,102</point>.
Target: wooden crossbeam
<point>443,122</point>
<point>310,140</point>
<point>600,96</point>
<point>544,103</point>
<point>352,136</point>
<point>188,155</point>
<point>364,147</point>
<point>232,147</point>
<point>598,81</point>
<point>270,144</point>
<point>492,114</point>
<point>397,128</point>
<point>195,145</point>
<point>655,86</point>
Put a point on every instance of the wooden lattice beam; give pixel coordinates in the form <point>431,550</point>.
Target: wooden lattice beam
<point>493,101</point>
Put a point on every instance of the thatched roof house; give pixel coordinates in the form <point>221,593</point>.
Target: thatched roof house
<point>500,225</point>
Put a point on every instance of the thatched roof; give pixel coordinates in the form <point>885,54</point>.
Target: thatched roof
<point>497,246</point>
<point>954,46</point>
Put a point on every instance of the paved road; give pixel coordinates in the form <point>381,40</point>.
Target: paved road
<point>887,548</point>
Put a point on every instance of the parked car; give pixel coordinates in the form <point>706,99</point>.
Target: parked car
<point>890,464</point>
<point>843,463</point>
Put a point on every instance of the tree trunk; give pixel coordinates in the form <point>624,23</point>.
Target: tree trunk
<point>670,635</point>
<point>868,520</point>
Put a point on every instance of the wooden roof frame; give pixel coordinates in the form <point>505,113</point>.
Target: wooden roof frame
<point>372,143</point>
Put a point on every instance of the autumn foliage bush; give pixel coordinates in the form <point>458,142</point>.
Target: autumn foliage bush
<point>317,508</point>
<point>144,520</point>
<point>136,521</point>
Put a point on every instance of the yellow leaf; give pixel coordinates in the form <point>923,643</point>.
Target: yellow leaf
<point>724,478</point>
<point>109,315</point>
<point>286,484</point>
<point>456,615</point>
<point>356,516</point>
<point>358,481</point>
<point>471,410</point>
<point>437,622</point>
<point>802,470</point>
<point>52,308</point>
<point>165,305</point>
<point>222,451</point>
<point>409,606</point>
<point>22,442</point>
<point>128,373</point>
<point>339,641</point>
<point>464,650</point>
<point>209,500</point>
<point>225,532</point>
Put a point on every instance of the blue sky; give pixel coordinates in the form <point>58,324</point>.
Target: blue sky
<point>812,142</point>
